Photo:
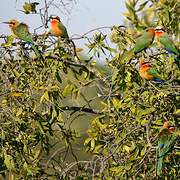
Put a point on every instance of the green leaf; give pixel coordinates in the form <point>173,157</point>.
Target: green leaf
<point>128,167</point>
<point>27,8</point>
<point>54,113</point>
<point>148,111</point>
<point>97,148</point>
<point>92,144</point>
<point>9,41</point>
<point>127,148</point>
<point>3,135</point>
<point>177,111</point>
<point>87,140</point>
<point>30,7</point>
<point>19,111</point>
<point>115,102</point>
<point>37,154</point>
<point>93,63</point>
<point>142,6</point>
<point>59,118</point>
<point>117,169</point>
<point>16,73</point>
<point>143,121</point>
<point>143,151</point>
<point>67,90</point>
<point>41,99</point>
<point>46,95</point>
<point>8,161</point>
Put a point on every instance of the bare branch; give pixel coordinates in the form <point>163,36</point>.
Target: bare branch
<point>80,109</point>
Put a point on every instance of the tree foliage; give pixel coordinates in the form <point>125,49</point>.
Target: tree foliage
<point>45,102</point>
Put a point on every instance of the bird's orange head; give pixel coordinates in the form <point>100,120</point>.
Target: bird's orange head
<point>54,19</point>
<point>11,22</point>
<point>150,31</point>
<point>169,125</point>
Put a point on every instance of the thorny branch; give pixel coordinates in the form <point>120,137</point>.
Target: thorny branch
<point>74,108</point>
<point>89,69</point>
<point>119,142</point>
<point>147,125</point>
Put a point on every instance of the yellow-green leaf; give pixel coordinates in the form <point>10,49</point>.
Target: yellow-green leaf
<point>19,111</point>
<point>127,148</point>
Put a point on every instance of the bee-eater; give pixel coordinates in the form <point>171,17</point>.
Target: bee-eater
<point>167,43</point>
<point>57,27</point>
<point>20,31</point>
<point>147,71</point>
<point>144,40</point>
<point>167,139</point>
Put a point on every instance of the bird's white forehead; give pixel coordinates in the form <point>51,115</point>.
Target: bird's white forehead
<point>160,27</point>
<point>54,16</point>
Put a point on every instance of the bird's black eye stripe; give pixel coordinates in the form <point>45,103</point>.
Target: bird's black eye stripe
<point>160,29</point>
<point>12,23</point>
<point>57,18</point>
<point>145,63</point>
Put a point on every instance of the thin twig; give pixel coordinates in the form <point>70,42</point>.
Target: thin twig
<point>119,143</point>
<point>75,108</point>
<point>52,156</point>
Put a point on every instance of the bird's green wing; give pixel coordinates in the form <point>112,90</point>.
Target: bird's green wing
<point>35,50</point>
<point>152,71</point>
<point>168,43</point>
<point>143,42</point>
<point>165,144</point>
<point>169,144</point>
<point>63,29</point>
<point>21,30</point>
<point>163,137</point>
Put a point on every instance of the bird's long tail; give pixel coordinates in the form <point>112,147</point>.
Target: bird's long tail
<point>160,162</point>
<point>129,55</point>
<point>160,80</point>
<point>130,52</point>
<point>35,50</point>
<point>175,56</point>
<point>74,48</point>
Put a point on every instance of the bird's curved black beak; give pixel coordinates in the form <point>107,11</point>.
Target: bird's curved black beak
<point>49,19</point>
<point>5,22</point>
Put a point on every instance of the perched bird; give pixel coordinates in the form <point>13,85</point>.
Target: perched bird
<point>166,141</point>
<point>144,40</point>
<point>167,43</point>
<point>57,27</point>
<point>20,31</point>
<point>147,71</point>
